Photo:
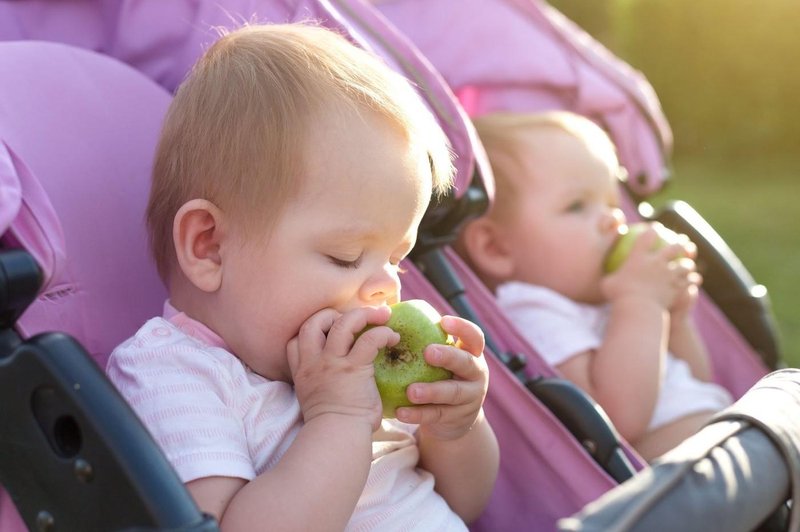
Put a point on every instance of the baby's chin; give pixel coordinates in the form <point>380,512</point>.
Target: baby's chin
<point>280,377</point>
<point>272,372</point>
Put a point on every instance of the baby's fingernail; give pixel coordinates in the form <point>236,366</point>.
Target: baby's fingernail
<point>414,393</point>
<point>434,355</point>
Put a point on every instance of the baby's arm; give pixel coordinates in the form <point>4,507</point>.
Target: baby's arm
<point>684,339</point>
<point>327,464</point>
<point>623,375</point>
<point>456,442</point>
<point>325,469</point>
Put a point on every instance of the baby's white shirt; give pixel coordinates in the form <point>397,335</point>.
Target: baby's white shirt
<point>560,328</point>
<point>212,416</point>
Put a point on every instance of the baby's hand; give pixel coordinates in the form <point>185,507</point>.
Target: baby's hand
<point>448,409</point>
<point>333,370</point>
<point>685,301</point>
<point>661,275</point>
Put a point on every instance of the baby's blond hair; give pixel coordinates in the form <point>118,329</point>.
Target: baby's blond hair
<point>504,135</point>
<point>238,127</point>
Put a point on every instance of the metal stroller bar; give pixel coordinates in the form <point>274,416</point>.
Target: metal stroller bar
<point>67,437</point>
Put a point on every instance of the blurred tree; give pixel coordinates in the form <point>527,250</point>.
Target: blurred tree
<point>723,69</point>
<point>595,17</point>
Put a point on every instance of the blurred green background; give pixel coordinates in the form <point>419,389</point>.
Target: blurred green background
<point>726,74</point>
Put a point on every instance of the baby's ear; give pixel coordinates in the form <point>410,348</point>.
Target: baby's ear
<point>487,249</point>
<point>196,234</point>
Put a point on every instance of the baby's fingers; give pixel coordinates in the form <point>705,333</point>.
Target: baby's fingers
<point>689,247</point>
<point>367,345</point>
<point>342,333</point>
<point>462,363</point>
<point>447,392</point>
<point>683,266</point>
<point>681,249</point>
<point>442,421</point>
<point>470,336</point>
<point>313,333</point>
<point>695,279</point>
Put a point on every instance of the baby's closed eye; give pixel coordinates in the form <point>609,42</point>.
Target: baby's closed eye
<point>345,262</point>
<point>576,205</point>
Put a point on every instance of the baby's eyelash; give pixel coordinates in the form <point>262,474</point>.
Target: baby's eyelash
<point>349,264</point>
<point>575,206</point>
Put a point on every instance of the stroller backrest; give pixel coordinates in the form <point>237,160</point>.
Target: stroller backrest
<point>135,33</point>
<point>164,44</point>
<point>77,136</point>
<point>66,113</point>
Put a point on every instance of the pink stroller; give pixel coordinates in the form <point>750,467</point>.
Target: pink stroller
<point>547,473</point>
<point>522,55</point>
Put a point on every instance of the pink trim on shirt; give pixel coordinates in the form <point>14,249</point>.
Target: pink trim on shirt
<point>192,327</point>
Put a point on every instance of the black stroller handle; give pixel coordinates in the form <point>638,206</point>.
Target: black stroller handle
<point>73,454</point>
<point>20,279</point>
<point>740,472</point>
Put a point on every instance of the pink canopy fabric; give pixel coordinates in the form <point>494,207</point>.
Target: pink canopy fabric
<point>164,39</point>
<point>523,55</point>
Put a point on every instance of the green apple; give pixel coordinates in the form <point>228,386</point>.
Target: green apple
<point>418,325</point>
<point>622,247</point>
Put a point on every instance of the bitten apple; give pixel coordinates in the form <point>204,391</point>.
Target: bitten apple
<point>622,247</point>
<point>418,325</point>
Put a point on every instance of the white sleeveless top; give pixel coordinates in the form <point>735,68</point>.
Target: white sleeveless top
<point>560,328</point>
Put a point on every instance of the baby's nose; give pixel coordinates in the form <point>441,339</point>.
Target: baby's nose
<point>382,287</point>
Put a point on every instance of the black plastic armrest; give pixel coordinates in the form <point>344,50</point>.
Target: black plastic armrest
<point>587,421</point>
<point>73,454</point>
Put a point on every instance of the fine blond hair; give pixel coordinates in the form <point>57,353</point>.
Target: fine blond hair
<point>238,127</point>
<point>507,137</point>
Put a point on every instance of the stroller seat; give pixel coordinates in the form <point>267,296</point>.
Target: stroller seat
<point>67,114</point>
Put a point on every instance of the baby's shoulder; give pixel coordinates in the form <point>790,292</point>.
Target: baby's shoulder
<point>160,344</point>
<point>523,298</point>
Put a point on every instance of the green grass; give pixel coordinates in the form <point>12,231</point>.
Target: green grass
<point>753,204</point>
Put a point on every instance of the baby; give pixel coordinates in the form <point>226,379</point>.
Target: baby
<point>291,176</point>
<point>627,337</point>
